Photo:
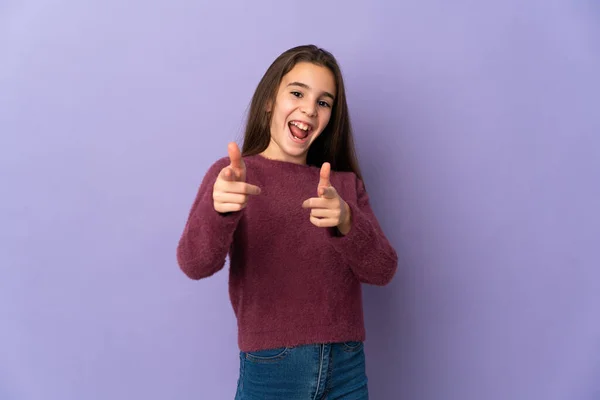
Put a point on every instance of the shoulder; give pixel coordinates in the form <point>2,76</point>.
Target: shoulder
<point>222,162</point>
<point>347,178</point>
<point>347,183</point>
<point>219,164</point>
<point>213,169</point>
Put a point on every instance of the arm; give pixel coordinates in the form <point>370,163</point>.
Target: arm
<point>208,234</point>
<point>364,247</point>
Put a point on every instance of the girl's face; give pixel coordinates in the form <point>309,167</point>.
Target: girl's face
<point>301,111</point>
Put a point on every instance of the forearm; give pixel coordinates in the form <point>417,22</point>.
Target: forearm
<point>205,241</point>
<point>364,247</point>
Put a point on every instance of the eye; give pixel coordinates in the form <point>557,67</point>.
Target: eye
<point>324,104</point>
<point>297,94</point>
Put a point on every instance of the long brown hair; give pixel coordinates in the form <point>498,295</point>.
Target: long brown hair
<point>335,144</point>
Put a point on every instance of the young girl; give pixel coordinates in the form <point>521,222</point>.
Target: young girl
<point>292,213</point>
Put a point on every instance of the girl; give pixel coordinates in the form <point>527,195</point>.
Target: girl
<point>292,213</point>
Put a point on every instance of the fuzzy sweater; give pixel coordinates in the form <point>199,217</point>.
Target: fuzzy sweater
<point>290,282</point>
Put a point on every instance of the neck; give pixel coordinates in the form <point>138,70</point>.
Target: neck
<point>274,152</point>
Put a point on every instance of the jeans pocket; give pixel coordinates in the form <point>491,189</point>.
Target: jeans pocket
<point>352,346</point>
<point>268,355</point>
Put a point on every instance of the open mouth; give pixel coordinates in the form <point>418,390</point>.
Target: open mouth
<point>300,130</point>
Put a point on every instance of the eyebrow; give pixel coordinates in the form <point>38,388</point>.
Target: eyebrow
<point>305,86</point>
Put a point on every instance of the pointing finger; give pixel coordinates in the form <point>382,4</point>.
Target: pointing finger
<point>315,202</point>
<point>239,187</point>
<point>250,189</point>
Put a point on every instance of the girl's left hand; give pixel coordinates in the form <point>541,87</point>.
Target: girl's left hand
<point>329,209</point>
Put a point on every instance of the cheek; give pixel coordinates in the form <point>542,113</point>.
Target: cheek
<point>282,112</point>
<point>325,118</point>
<point>278,117</point>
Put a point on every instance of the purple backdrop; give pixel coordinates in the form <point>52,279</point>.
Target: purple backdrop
<point>478,128</point>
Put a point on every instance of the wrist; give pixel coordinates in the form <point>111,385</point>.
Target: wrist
<point>344,226</point>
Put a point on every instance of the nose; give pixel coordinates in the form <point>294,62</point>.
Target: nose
<point>309,108</point>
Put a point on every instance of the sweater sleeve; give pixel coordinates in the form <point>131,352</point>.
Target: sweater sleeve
<point>208,234</point>
<point>365,248</point>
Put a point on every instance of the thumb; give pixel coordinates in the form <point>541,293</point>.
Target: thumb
<point>236,161</point>
<point>325,174</point>
<point>235,156</point>
<point>324,178</point>
<point>328,192</point>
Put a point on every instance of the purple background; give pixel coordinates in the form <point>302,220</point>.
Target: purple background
<point>478,128</point>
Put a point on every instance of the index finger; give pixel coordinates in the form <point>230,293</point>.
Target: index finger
<point>241,188</point>
<point>235,156</point>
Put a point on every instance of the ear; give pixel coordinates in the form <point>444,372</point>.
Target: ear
<point>269,106</point>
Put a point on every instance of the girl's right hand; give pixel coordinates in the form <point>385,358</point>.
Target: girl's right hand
<point>230,191</point>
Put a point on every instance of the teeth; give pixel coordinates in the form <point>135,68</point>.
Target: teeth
<point>300,125</point>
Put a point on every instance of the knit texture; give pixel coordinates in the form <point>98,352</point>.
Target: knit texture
<point>290,282</point>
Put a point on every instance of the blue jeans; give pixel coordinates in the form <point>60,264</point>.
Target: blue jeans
<point>311,372</point>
